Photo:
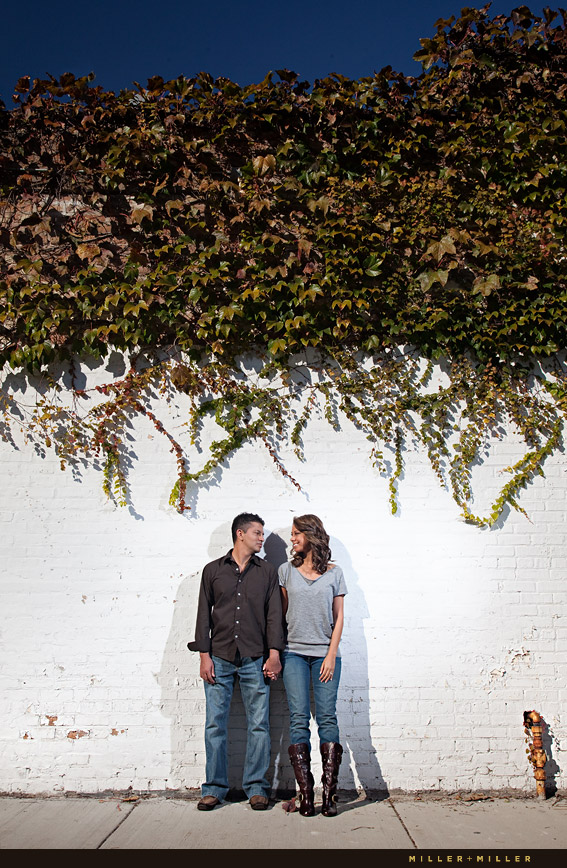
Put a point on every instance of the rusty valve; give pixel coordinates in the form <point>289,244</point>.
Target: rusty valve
<point>533,725</point>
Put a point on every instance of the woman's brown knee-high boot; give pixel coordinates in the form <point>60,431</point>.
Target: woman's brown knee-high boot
<point>301,761</point>
<point>331,753</point>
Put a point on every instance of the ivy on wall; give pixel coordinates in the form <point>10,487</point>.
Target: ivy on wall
<point>196,220</point>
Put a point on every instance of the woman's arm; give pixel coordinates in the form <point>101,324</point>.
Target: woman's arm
<point>328,664</point>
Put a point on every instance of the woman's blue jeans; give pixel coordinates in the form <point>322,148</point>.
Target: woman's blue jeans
<point>256,700</point>
<point>299,673</point>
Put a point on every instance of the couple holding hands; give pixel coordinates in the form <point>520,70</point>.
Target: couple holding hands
<point>254,622</point>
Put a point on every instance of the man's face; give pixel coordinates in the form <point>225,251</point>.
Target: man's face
<point>252,538</point>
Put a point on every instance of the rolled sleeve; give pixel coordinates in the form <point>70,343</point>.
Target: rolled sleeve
<point>203,626</point>
<point>274,616</point>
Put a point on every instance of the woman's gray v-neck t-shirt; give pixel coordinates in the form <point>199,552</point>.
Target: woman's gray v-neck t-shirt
<point>309,615</point>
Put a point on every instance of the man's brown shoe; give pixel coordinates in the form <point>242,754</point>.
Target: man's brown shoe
<point>258,803</point>
<point>207,803</point>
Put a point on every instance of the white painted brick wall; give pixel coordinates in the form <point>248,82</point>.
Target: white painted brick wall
<point>451,633</point>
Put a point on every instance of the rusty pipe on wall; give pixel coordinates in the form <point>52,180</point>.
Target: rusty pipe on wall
<point>533,726</point>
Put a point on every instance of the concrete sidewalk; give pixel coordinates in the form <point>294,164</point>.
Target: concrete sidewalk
<point>402,823</point>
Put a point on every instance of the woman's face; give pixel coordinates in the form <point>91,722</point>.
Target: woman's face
<point>299,541</point>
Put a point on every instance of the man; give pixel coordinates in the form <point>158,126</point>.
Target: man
<point>239,632</point>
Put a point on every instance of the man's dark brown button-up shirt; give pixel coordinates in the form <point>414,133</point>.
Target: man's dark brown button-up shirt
<point>238,611</point>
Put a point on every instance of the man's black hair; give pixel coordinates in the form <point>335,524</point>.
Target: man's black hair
<point>243,522</point>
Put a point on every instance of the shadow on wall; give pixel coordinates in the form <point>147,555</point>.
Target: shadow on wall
<point>183,698</point>
<point>552,769</point>
<point>73,377</point>
<point>353,705</point>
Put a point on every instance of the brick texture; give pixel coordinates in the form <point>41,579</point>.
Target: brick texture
<point>451,632</point>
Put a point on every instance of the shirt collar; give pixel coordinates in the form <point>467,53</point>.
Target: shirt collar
<point>254,559</point>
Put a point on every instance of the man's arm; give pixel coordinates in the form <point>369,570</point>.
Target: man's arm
<point>274,628</point>
<point>202,641</point>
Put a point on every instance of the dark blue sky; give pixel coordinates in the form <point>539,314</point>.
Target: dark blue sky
<point>126,40</point>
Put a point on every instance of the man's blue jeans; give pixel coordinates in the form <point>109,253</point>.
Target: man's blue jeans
<point>256,700</point>
<point>299,671</point>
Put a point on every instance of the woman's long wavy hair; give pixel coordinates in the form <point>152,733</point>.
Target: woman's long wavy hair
<point>318,539</point>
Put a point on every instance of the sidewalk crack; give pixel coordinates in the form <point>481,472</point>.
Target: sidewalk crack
<point>407,831</point>
<point>111,833</point>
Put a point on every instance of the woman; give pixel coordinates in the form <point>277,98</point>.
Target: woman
<point>313,591</point>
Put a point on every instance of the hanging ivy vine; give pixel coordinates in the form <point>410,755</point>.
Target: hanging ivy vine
<point>374,222</point>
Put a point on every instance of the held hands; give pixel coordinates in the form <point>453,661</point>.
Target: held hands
<point>327,669</point>
<point>272,667</point>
